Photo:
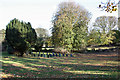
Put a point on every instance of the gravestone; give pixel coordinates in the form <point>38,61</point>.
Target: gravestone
<point>38,55</point>
<point>53,54</point>
<point>34,55</point>
<point>63,55</point>
<point>44,55</point>
<point>66,55</point>
<point>59,55</point>
<point>56,54</point>
<point>50,55</point>
<point>71,55</point>
<point>41,55</point>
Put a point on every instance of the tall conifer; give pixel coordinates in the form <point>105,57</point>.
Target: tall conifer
<point>20,36</point>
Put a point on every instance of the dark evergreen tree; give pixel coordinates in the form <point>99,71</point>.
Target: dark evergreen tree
<point>20,36</point>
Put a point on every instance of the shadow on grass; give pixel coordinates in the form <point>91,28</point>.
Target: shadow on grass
<point>45,72</point>
<point>54,68</point>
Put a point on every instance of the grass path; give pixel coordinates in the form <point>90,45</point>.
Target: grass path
<point>101,65</point>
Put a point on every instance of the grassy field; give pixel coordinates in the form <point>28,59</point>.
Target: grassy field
<point>102,65</point>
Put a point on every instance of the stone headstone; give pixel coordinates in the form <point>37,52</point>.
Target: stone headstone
<point>34,55</point>
<point>63,54</point>
<point>41,55</point>
<point>71,55</point>
<point>50,55</point>
<point>66,55</point>
<point>44,55</point>
<point>53,54</point>
<point>59,55</point>
<point>56,54</point>
<point>38,55</point>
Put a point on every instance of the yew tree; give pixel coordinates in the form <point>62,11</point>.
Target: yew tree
<point>20,36</point>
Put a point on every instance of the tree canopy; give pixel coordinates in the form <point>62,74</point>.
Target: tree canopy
<point>109,6</point>
<point>106,23</point>
<point>70,25</point>
<point>42,35</point>
<point>41,32</point>
<point>20,36</point>
<point>105,26</point>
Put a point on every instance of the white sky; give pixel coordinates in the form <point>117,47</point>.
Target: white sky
<point>39,12</point>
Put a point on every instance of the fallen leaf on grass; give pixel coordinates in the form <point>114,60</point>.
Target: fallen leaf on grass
<point>3,75</point>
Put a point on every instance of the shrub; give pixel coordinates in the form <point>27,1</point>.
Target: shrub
<point>10,50</point>
<point>20,36</point>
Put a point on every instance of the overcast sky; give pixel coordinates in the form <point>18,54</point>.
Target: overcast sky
<point>39,12</point>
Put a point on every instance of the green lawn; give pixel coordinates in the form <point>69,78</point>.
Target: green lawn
<point>89,48</point>
<point>81,66</point>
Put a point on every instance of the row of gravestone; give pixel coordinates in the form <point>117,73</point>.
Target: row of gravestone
<point>52,55</point>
